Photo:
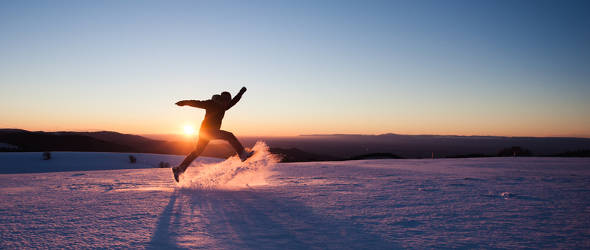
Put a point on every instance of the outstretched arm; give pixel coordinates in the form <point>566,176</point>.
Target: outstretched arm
<point>236,98</point>
<point>193,103</point>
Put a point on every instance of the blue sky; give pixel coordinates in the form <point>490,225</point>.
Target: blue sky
<point>414,67</point>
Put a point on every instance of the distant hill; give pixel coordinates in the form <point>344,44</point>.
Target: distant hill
<point>41,141</point>
<point>424,146</point>
<point>306,148</point>
<point>102,141</point>
<point>376,156</point>
<point>297,155</point>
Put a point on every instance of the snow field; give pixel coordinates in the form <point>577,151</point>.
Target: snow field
<point>371,204</point>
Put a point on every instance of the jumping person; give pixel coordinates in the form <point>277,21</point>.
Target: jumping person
<point>211,127</point>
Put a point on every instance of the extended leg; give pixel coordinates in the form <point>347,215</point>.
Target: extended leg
<point>201,144</point>
<point>229,137</point>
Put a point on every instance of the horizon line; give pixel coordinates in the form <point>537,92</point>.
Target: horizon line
<point>302,135</point>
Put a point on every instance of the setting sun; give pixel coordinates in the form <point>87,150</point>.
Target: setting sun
<point>189,129</point>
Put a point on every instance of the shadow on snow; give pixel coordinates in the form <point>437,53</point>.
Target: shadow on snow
<point>253,219</point>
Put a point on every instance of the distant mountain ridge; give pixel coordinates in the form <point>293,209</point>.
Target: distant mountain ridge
<point>56,141</point>
<point>441,136</point>
<point>303,148</point>
<point>101,141</point>
<point>426,146</point>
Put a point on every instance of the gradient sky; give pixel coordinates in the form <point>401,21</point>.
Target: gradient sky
<point>513,68</point>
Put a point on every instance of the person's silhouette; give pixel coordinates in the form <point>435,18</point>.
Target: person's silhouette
<point>211,127</point>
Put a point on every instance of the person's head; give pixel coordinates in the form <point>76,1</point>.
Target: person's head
<point>216,98</point>
<point>225,96</point>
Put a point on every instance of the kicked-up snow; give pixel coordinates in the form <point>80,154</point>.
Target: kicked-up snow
<point>371,204</point>
<point>232,173</point>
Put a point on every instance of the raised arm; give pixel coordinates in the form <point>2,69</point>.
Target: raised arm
<point>193,103</point>
<point>236,98</point>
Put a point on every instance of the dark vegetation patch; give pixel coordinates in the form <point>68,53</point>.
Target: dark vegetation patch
<point>469,156</point>
<point>376,156</point>
<point>576,153</point>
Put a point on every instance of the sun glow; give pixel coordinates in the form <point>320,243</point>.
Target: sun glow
<point>189,129</point>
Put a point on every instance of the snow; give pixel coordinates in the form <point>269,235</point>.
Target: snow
<point>32,162</point>
<point>232,173</point>
<point>367,204</point>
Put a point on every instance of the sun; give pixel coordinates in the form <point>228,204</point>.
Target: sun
<point>189,129</point>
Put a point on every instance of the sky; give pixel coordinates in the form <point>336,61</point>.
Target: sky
<point>508,68</point>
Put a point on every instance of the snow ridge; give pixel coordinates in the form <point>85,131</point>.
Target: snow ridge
<point>232,173</point>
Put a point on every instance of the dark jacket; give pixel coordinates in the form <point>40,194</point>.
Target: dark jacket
<point>214,111</point>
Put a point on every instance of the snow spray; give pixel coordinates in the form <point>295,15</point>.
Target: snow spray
<point>232,173</point>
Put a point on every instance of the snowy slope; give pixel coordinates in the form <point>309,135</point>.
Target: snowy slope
<point>32,162</point>
<point>379,204</point>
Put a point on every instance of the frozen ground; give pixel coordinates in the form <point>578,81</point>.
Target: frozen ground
<point>466,203</point>
<point>31,162</point>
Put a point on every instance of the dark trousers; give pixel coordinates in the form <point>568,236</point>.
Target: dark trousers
<point>204,137</point>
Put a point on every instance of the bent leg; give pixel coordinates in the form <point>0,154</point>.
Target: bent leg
<point>229,137</point>
<point>201,144</point>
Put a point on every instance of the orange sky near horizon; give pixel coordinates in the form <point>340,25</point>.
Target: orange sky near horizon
<point>319,67</point>
<point>243,127</point>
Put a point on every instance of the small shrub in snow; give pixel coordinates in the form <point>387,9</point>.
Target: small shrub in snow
<point>514,151</point>
<point>164,164</point>
<point>132,159</point>
<point>46,155</point>
<point>5,147</point>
